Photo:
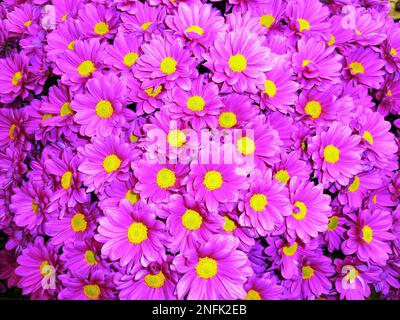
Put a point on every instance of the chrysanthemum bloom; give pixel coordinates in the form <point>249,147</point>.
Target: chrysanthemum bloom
<point>29,203</point>
<point>369,235</point>
<point>8,264</point>
<point>37,268</point>
<point>156,182</point>
<point>199,106</point>
<point>265,205</point>
<point>12,125</point>
<point>66,9</point>
<point>376,136</point>
<point>340,37</point>
<point>238,21</point>
<point>82,257</point>
<point>369,27</point>
<point>97,21</point>
<point>104,161</point>
<point>124,52</point>
<point>78,65</point>
<point>269,13</point>
<point>316,64</point>
<point>363,66</point>
<point>390,50</point>
<point>291,165</point>
<point>310,210</point>
<point>99,286</point>
<point>264,288</point>
<point>279,91</point>
<point>313,280</point>
<point>133,235</point>
<point>238,60</point>
<point>22,18</point>
<point>308,18</point>
<point>155,282</point>
<point>165,62</point>
<point>334,234</point>
<point>101,109</point>
<point>336,154</point>
<point>189,223</point>
<point>214,270</point>
<point>197,22</point>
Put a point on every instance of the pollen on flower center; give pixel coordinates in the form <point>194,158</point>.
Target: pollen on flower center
<point>153,92</point>
<point>165,178</point>
<point>305,63</point>
<point>195,103</point>
<point>213,180</point>
<point>168,65</point>
<point>301,212</point>
<point>132,197</point>
<point>237,63</point>
<point>90,257</point>
<point>65,109</point>
<point>11,131</point>
<point>137,233</point>
<point>66,180</point>
<point>71,45</point>
<point>176,138</point>
<point>267,20</point>
<point>307,272</point>
<point>313,108</point>
<point>245,146</point>
<point>332,40</point>
<point>368,137</point>
<point>270,88</point>
<point>104,109</point>
<point>101,28</point>
<point>111,163</point>
<point>28,23</point>
<point>92,291</point>
<point>43,268</point>
<point>196,29</point>
<point>78,222</point>
<point>258,202</point>
<point>354,185</point>
<point>367,234</point>
<point>130,59</point>
<point>356,68</point>
<point>35,206</point>
<point>86,68</point>
<point>333,223</point>
<point>252,295</point>
<point>352,274</point>
<point>229,225</point>
<point>192,220</point>
<point>155,280</point>
<point>393,52</point>
<point>227,120</point>
<point>206,268</point>
<point>303,24</point>
<point>331,154</point>
<point>282,175</point>
<point>289,251</point>
<point>16,78</point>
<point>146,25</point>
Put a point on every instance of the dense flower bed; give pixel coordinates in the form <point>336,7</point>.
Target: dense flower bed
<point>160,149</point>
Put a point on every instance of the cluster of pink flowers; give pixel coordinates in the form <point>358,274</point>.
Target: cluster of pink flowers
<point>165,149</point>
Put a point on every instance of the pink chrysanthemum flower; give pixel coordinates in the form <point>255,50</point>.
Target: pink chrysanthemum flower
<point>132,235</point>
<point>66,9</point>
<point>22,18</point>
<point>269,13</point>
<point>291,165</point>
<point>334,234</point>
<point>390,50</point>
<point>336,154</point>
<point>12,126</point>
<point>368,27</point>
<point>263,289</point>
<point>213,270</point>
<point>238,60</point>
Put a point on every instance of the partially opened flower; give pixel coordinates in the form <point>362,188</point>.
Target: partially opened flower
<point>237,111</point>
<point>335,232</point>
<point>22,18</point>
<point>263,289</point>
<point>291,165</point>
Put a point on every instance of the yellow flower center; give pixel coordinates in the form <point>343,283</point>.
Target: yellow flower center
<point>333,223</point>
<point>303,24</point>
<point>374,199</point>
<point>86,68</point>
<point>245,146</point>
<point>155,281</point>
<point>11,131</point>
<point>305,63</point>
<point>354,185</point>
<point>92,291</point>
<point>176,138</point>
<point>352,274</point>
<point>267,20</point>
<point>165,178</point>
<point>367,234</point>
<point>46,116</point>
<point>196,29</point>
<point>104,109</point>
<point>64,17</point>
<point>289,251</point>
<point>146,25</point>
<point>35,206</point>
<point>282,175</point>
<point>137,233</point>
<point>133,138</point>
<point>358,32</point>
<point>229,225</point>
<point>65,109</point>
<point>252,295</point>
<point>71,45</point>
<point>357,67</point>
<point>237,63</point>
<point>270,88</point>
<point>331,154</point>
<point>130,58</point>
<point>101,28</point>
<point>213,180</point>
<point>206,268</point>
<point>78,222</point>
<point>227,120</point>
<point>307,272</point>
<point>192,220</point>
<point>168,65</point>
<point>111,163</point>
<point>389,93</point>
<point>258,202</point>
<point>302,210</point>
<point>44,268</point>
<point>368,137</point>
<point>16,78</point>
<point>332,40</point>
<point>313,108</point>
<point>195,103</point>
<point>153,93</point>
<point>90,257</point>
<point>27,23</point>
<point>66,180</point>
<point>132,197</point>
